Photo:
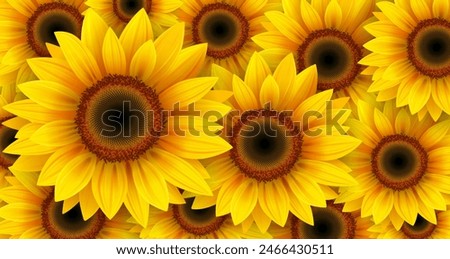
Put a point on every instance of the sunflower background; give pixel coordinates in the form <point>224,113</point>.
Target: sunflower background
<point>224,119</point>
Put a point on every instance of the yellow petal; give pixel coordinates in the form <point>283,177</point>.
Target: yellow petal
<point>419,95</point>
<point>88,204</point>
<point>179,172</point>
<point>186,92</point>
<point>421,9</point>
<point>313,105</point>
<point>136,33</point>
<point>113,54</point>
<point>225,195</point>
<point>257,71</point>
<point>244,201</point>
<point>301,210</point>
<point>150,184</point>
<point>310,16</point>
<point>261,219</point>
<point>434,135</point>
<point>333,15</point>
<point>30,163</point>
<point>383,205</point>
<point>75,176</point>
<point>26,7</point>
<point>80,59</point>
<point>325,173</point>
<point>441,8</point>
<point>28,147</point>
<point>51,95</point>
<point>56,134</point>
<point>143,61</point>
<point>109,187</point>
<point>92,34</point>
<point>270,93</point>
<point>274,201</point>
<point>29,110</point>
<point>136,205</point>
<point>172,37</point>
<point>397,15</point>
<point>20,212</point>
<point>286,25</point>
<point>430,196</point>
<point>382,123</point>
<point>402,122</point>
<point>406,205</point>
<point>305,189</point>
<point>244,96</point>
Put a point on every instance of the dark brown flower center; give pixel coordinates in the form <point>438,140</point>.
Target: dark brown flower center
<point>197,222</point>
<point>71,224</point>
<point>399,161</point>
<point>126,9</point>
<point>420,230</point>
<point>429,47</point>
<point>329,223</point>
<point>48,19</point>
<point>223,27</point>
<point>266,144</point>
<point>119,118</point>
<point>336,56</point>
<point>7,136</point>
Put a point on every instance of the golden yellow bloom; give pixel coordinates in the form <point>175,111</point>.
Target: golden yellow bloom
<point>401,166</point>
<point>285,154</point>
<point>27,25</point>
<point>102,118</point>
<point>410,59</point>
<point>227,26</point>
<point>31,212</point>
<point>327,33</point>
<point>181,221</point>
<point>117,13</point>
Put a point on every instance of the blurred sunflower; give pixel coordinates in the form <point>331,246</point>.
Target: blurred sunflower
<point>329,223</point>
<point>411,55</point>
<point>181,222</point>
<point>327,33</point>
<point>284,154</point>
<point>31,212</point>
<point>102,119</point>
<point>401,166</point>
<point>117,13</point>
<point>421,229</point>
<point>227,26</point>
<point>27,25</point>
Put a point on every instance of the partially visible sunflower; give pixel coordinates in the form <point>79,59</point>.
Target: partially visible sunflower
<point>31,212</point>
<point>411,55</point>
<point>327,33</point>
<point>117,13</point>
<point>285,153</point>
<point>27,25</point>
<point>104,121</point>
<point>227,26</point>
<point>329,223</point>
<point>401,167</point>
<point>181,221</point>
<point>421,229</point>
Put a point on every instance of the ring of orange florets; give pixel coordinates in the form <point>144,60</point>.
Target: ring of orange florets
<point>126,17</point>
<point>403,183</point>
<point>414,56</point>
<point>347,219</point>
<point>343,37</point>
<point>232,11</point>
<point>410,232</point>
<point>32,33</point>
<point>93,140</point>
<point>292,132</point>
<point>48,205</point>
<point>209,228</point>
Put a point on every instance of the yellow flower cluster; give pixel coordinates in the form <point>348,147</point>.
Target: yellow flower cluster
<point>224,119</point>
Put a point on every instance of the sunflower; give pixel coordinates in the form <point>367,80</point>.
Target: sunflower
<point>421,229</point>
<point>117,13</point>
<point>181,222</point>
<point>329,223</point>
<point>410,59</point>
<point>227,26</point>
<point>27,25</point>
<point>112,123</point>
<point>327,33</point>
<point>401,166</point>
<point>285,152</point>
<point>31,212</point>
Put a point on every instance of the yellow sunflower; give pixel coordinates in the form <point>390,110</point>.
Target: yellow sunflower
<point>31,212</point>
<point>401,167</point>
<point>410,59</point>
<point>285,150</point>
<point>329,223</point>
<point>181,222</point>
<point>117,13</point>
<point>327,33</point>
<point>227,26</point>
<point>27,25</point>
<point>109,118</point>
<point>421,229</point>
